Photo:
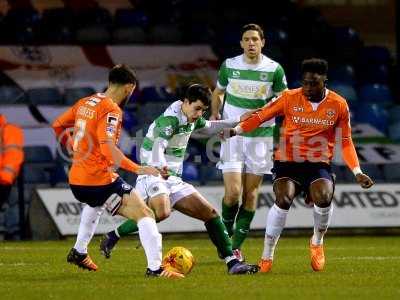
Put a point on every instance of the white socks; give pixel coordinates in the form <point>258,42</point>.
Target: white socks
<point>276,220</point>
<point>151,241</point>
<point>89,219</point>
<point>322,217</point>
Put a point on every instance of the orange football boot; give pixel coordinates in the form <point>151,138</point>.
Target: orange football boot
<point>317,257</point>
<point>265,265</point>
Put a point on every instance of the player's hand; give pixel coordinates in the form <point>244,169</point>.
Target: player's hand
<point>148,170</point>
<point>364,181</point>
<point>227,133</point>
<point>164,172</point>
<point>215,117</point>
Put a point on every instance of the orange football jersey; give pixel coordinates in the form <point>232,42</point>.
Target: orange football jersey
<point>309,130</point>
<point>95,120</point>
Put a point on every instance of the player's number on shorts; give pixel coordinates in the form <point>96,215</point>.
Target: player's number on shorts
<point>80,126</point>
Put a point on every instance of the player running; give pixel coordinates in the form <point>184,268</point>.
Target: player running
<point>96,122</point>
<point>164,147</point>
<point>247,81</point>
<point>314,117</point>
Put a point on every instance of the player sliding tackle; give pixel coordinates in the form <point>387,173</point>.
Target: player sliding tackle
<point>313,117</point>
<point>164,147</point>
<point>97,125</point>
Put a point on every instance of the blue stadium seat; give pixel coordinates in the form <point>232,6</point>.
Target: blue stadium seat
<point>347,45</point>
<point>42,96</point>
<point>57,25</point>
<point>190,172</point>
<point>392,172</point>
<point>93,16</point>
<point>342,74</point>
<point>211,173</point>
<point>94,34</point>
<point>71,95</point>
<point>375,55</point>
<point>346,91</point>
<point>38,154</point>
<point>130,18</point>
<point>339,172</point>
<point>11,95</point>
<point>127,35</point>
<point>277,36</point>
<point>35,174</point>
<point>373,73</point>
<point>372,114</point>
<point>170,34</point>
<point>153,94</point>
<point>375,93</point>
<point>21,25</point>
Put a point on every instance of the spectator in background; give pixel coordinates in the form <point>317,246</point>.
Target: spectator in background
<point>11,156</point>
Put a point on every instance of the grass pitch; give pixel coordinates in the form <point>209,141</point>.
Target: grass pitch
<point>357,268</point>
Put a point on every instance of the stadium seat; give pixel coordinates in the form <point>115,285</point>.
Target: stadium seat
<point>375,55</point>
<point>57,26</point>
<point>41,96</point>
<point>20,25</point>
<point>190,172</point>
<point>11,95</point>
<point>346,91</point>
<point>35,174</point>
<point>211,173</point>
<point>94,16</point>
<point>277,36</point>
<point>95,34</point>
<point>342,74</point>
<point>347,45</point>
<point>37,154</point>
<point>153,94</point>
<point>71,95</point>
<point>375,93</point>
<point>373,73</point>
<point>392,172</point>
<point>130,18</point>
<point>127,35</point>
<point>372,114</point>
<point>165,34</point>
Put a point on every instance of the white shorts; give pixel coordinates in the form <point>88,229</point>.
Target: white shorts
<point>149,186</point>
<point>246,155</point>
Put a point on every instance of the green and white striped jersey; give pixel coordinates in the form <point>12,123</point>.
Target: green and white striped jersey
<point>249,87</point>
<point>174,131</point>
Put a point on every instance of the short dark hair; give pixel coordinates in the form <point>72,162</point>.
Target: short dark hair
<point>122,74</point>
<point>254,27</point>
<point>200,92</point>
<point>314,65</point>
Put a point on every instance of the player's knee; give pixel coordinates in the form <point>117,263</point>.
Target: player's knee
<point>283,201</point>
<point>232,194</point>
<point>322,198</point>
<point>162,215</point>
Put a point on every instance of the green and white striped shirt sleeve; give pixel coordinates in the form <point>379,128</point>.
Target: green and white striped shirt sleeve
<point>279,81</point>
<point>222,77</point>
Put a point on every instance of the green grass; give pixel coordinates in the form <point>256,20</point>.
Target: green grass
<point>357,268</point>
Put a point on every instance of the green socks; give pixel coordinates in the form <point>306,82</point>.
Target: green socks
<point>228,216</point>
<point>219,236</point>
<point>129,226</point>
<point>242,227</point>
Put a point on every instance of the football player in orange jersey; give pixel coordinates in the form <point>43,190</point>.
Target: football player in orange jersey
<point>314,117</point>
<point>97,125</point>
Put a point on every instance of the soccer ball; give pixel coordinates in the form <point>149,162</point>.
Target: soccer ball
<point>179,259</point>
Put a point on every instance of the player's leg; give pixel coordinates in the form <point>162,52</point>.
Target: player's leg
<point>251,185</point>
<point>191,203</point>
<point>133,207</point>
<point>230,202</point>
<point>285,190</point>
<point>321,193</point>
<point>78,255</point>
<point>148,187</point>
<point>231,164</point>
